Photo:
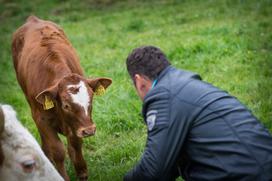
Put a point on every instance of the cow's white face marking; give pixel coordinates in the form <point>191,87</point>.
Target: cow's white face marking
<point>81,97</point>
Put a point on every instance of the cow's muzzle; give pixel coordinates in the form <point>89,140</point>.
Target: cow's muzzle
<point>85,132</point>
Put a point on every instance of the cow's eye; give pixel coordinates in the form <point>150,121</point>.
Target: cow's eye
<point>66,106</point>
<point>28,166</point>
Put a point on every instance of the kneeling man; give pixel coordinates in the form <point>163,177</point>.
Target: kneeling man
<point>195,130</point>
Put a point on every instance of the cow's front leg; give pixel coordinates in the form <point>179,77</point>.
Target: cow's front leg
<point>53,148</point>
<point>75,153</point>
<point>51,143</point>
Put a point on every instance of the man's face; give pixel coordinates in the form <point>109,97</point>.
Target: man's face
<point>142,85</point>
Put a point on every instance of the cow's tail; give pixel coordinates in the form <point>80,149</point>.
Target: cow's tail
<point>32,18</point>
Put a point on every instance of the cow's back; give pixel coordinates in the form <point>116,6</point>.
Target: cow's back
<point>42,54</point>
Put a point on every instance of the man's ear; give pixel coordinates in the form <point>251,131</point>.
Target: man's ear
<point>47,96</point>
<point>99,84</point>
<point>139,81</point>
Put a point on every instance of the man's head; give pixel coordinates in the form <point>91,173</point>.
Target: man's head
<point>144,64</point>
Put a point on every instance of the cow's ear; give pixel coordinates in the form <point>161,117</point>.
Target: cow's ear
<point>99,85</point>
<point>47,97</point>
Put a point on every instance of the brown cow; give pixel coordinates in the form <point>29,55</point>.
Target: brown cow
<point>49,73</point>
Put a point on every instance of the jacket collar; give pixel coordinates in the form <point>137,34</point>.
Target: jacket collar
<point>163,72</point>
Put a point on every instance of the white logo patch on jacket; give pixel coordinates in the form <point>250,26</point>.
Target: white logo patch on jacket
<point>151,119</point>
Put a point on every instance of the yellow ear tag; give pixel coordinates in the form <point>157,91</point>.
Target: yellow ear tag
<point>48,104</point>
<point>100,90</point>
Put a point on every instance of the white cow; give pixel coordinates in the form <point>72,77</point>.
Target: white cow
<point>21,157</point>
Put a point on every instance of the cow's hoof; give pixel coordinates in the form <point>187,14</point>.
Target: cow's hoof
<point>83,177</point>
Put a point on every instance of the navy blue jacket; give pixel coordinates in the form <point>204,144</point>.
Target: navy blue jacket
<point>201,132</point>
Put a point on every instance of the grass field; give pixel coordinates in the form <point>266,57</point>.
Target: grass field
<point>228,42</point>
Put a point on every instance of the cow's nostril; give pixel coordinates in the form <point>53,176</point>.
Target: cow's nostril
<point>85,132</point>
<point>88,132</point>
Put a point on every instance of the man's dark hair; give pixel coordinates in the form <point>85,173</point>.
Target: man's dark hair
<point>146,60</point>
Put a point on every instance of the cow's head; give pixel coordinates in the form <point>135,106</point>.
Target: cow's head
<point>22,157</point>
<point>2,124</point>
<point>73,96</point>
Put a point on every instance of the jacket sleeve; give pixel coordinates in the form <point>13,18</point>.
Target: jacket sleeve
<point>167,131</point>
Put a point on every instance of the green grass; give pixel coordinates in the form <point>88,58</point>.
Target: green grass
<point>228,42</point>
